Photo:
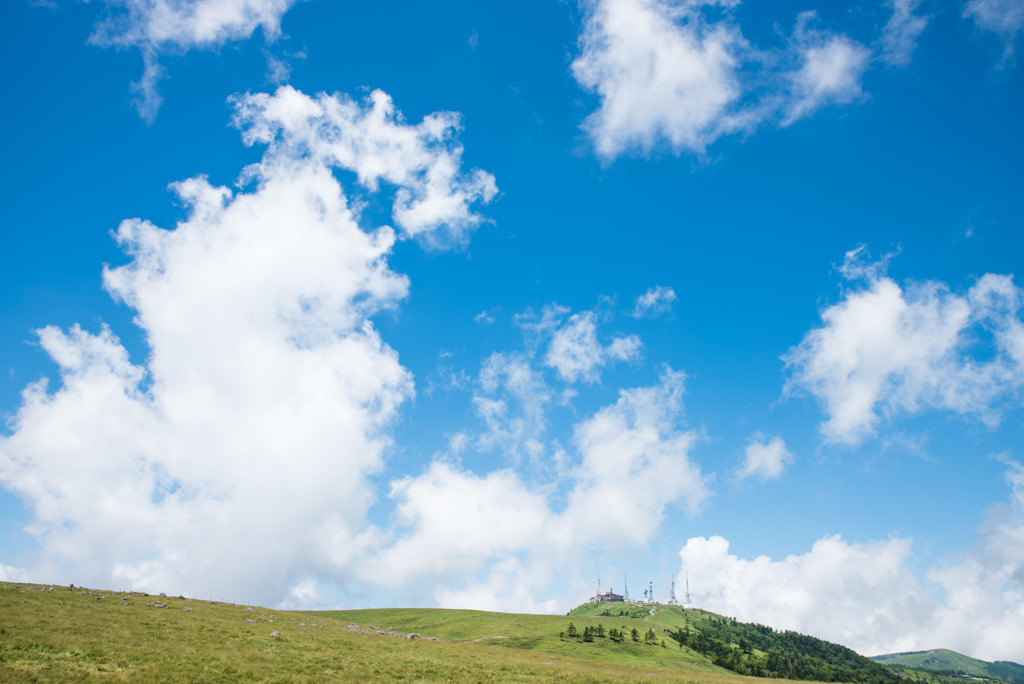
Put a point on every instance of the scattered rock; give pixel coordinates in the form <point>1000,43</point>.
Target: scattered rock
<point>251,622</point>
<point>187,608</point>
<point>250,609</point>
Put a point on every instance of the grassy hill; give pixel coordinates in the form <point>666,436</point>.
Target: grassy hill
<point>944,661</point>
<point>54,634</point>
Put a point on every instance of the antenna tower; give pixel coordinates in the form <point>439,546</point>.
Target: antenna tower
<point>672,594</point>
<point>687,602</point>
<point>625,589</point>
<point>650,593</point>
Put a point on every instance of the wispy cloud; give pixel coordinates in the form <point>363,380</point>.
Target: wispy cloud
<point>157,27</point>
<point>899,37</point>
<point>654,302</point>
<point>1005,18</point>
<point>764,458</point>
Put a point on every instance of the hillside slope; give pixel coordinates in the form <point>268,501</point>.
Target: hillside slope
<point>749,649</point>
<point>944,661</point>
<point>56,634</point>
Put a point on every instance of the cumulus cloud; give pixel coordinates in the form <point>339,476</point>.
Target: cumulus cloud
<point>899,37</point>
<point>886,350</point>
<point>1005,18</point>
<point>576,353</point>
<point>859,595</point>
<point>656,301</point>
<point>662,72</point>
<point>679,74</point>
<point>631,464</point>
<point>156,27</point>
<point>455,521</point>
<point>233,462</point>
<point>423,161</point>
<point>864,595</point>
<point>764,458</point>
<point>634,464</point>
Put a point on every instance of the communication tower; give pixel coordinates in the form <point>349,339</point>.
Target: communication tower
<point>687,602</point>
<point>672,594</point>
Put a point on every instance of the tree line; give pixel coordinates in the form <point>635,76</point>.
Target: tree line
<point>589,633</point>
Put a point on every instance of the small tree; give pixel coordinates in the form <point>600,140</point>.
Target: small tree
<point>600,631</point>
<point>588,634</point>
<point>572,630</point>
<point>635,635</point>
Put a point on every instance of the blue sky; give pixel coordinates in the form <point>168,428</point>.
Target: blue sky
<point>463,304</point>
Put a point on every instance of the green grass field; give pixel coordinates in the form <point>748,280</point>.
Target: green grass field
<point>537,633</point>
<point>53,634</point>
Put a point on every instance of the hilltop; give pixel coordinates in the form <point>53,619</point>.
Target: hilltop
<point>944,661</point>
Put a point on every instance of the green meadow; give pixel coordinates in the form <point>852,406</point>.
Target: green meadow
<point>55,634</point>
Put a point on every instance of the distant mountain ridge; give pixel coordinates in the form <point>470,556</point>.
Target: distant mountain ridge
<point>944,661</point>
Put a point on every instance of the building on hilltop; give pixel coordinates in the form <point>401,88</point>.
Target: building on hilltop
<point>608,597</point>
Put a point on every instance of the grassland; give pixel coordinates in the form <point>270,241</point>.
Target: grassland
<point>538,633</point>
<point>54,634</point>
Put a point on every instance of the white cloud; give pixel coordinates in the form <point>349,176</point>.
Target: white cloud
<point>672,74</point>
<point>899,37</point>
<point>233,462</point>
<point>885,351</point>
<point>983,610</point>
<point>10,574</point>
<point>485,317</point>
<point>663,74</point>
<point>765,458</point>
<point>456,520</point>
<point>156,27</point>
<point>632,464</point>
<point>635,463</point>
<point>831,67</point>
<point>576,353</point>
<point>424,162</point>
<point>864,595</point>
<point>656,301</point>
<point>512,402</point>
<point>1005,18</point>
<point>859,595</point>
